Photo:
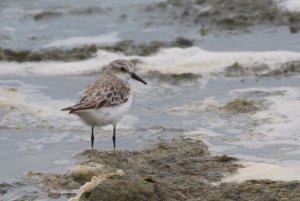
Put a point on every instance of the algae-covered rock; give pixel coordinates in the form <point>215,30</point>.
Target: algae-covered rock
<point>182,42</point>
<point>174,78</point>
<point>124,190</point>
<point>261,190</point>
<point>177,170</point>
<point>294,20</point>
<point>286,69</point>
<point>237,70</point>
<point>174,170</point>
<point>89,11</point>
<point>2,55</point>
<point>262,70</point>
<point>46,15</point>
<point>74,54</point>
<point>4,187</point>
<point>241,106</point>
<point>129,47</point>
<point>180,157</point>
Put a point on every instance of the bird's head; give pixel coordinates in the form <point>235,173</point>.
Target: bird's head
<point>123,69</point>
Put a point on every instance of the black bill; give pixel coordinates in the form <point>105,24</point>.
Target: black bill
<point>136,77</point>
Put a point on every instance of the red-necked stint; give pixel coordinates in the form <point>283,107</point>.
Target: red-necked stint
<point>108,99</point>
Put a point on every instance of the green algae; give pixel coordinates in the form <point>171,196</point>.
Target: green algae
<point>294,20</point>
<point>241,106</point>
<point>89,11</point>
<point>261,190</point>
<point>133,190</point>
<point>4,188</point>
<point>237,70</point>
<point>262,70</point>
<point>173,170</point>
<point>46,15</point>
<point>286,69</point>
<point>174,78</point>
<point>129,47</point>
<point>74,54</point>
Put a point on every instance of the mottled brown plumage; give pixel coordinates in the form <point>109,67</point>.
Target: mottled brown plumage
<point>107,91</point>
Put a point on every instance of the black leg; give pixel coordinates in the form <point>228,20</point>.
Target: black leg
<point>92,137</point>
<point>114,136</point>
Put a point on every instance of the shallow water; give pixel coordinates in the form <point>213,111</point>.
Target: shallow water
<point>41,130</point>
<point>47,139</point>
<point>105,22</point>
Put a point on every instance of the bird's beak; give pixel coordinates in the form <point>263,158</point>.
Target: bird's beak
<point>136,77</point>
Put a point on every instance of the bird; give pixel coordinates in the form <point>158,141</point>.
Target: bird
<point>108,99</point>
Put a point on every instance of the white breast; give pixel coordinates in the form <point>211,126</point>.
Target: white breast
<point>105,115</point>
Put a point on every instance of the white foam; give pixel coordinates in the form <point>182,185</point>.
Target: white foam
<point>59,68</point>
<point>283,116</point>
<point>278,124</point>
<point>200,133</point>
<point>290,5</point>
<point>75,41</point>
<point>209,103</point>
<point>199,61</point>
<point>25,107</point>
<point>253,170</point>
<point>171,60</point>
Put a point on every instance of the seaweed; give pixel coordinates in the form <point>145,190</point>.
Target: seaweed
<point>174,78</point>
<point>46,15</point>
<point>74,54</point>
<point>241,106</point>
<point>128,47</point>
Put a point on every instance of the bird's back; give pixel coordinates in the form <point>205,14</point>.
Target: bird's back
<point>107,91</point>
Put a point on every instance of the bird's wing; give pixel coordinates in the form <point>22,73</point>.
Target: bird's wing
<point>105,92</point>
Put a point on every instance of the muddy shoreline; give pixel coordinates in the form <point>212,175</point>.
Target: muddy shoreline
<point>180,169</point>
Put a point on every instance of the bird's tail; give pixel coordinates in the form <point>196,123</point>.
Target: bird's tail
<point>70,109</point>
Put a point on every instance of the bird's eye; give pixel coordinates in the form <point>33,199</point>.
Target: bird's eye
<point>123,69</point>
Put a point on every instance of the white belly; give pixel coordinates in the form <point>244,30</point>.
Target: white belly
<point>105,115</point>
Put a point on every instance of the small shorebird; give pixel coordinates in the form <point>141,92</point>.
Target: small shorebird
<point>108,99</point>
